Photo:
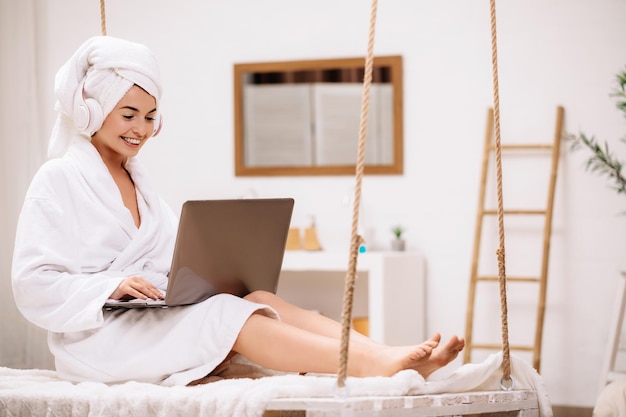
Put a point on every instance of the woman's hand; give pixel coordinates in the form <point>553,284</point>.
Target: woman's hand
<point>136,287</point>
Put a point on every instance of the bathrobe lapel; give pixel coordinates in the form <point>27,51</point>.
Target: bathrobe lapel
<point>76,240</point>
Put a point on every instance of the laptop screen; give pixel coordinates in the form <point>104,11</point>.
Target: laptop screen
<point>228,246</point>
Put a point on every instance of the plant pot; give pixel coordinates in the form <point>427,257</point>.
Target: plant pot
<point>397,245</point>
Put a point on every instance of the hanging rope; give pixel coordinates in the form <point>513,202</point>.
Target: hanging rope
<point>506,360</point>
<point>356,239</point>
<point>103,19</point>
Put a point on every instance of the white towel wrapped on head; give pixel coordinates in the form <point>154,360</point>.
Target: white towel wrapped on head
<point>102,69</point>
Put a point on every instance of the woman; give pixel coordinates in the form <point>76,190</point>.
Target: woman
<point>92,228</point>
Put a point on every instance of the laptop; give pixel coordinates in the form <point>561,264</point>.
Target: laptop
<point>224,246</point>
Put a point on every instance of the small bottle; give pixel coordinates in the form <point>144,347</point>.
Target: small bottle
<point>363,244</point>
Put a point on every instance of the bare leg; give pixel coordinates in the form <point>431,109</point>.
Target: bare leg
<point>310,343</point>
<point>305,319</point>
<point>283,347</point>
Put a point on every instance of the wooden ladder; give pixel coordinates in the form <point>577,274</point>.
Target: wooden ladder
<point>483,212</point>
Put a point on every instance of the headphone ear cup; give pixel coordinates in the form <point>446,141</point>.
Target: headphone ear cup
<point>158,123</point>
<point>88,114</point>
<point>96,116</point>
<point>81,116</point>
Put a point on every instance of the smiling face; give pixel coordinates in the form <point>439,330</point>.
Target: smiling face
<point>127,127</point>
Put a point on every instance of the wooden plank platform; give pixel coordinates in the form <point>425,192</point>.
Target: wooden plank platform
<point>481,403</point>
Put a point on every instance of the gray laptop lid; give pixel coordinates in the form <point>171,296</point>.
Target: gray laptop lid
<point>226,246</point>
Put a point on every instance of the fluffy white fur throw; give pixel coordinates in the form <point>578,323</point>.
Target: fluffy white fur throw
<point>41,393</point>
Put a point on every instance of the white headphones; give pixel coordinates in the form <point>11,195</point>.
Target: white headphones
<point>89,116</point>
<point>158,123</point>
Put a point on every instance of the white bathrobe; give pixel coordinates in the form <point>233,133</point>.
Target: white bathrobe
<point>75,243</point>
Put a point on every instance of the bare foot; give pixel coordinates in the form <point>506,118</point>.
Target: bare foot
<point>440,356</point>
<point>388,360</point>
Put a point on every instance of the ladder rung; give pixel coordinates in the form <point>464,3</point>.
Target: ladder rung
<point>493,346</point>
<point>525,212</point>
<point>523,146</point>
<point>518,279</point>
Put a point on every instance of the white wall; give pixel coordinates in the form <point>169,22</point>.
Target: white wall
<point>551,52</point>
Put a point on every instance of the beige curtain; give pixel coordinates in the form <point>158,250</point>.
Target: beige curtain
<point>22,150</point>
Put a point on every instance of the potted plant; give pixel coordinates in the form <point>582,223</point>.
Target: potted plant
<point>397,243</point>
<point>602,160</point>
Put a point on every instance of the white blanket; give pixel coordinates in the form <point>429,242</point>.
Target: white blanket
<point>41,393</point>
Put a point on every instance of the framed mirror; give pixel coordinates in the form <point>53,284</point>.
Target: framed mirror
<point>303,117</point>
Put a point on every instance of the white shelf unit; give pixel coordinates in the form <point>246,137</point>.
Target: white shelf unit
<point>392,285</point>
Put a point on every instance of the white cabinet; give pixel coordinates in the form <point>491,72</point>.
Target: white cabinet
<point>390,290</point>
